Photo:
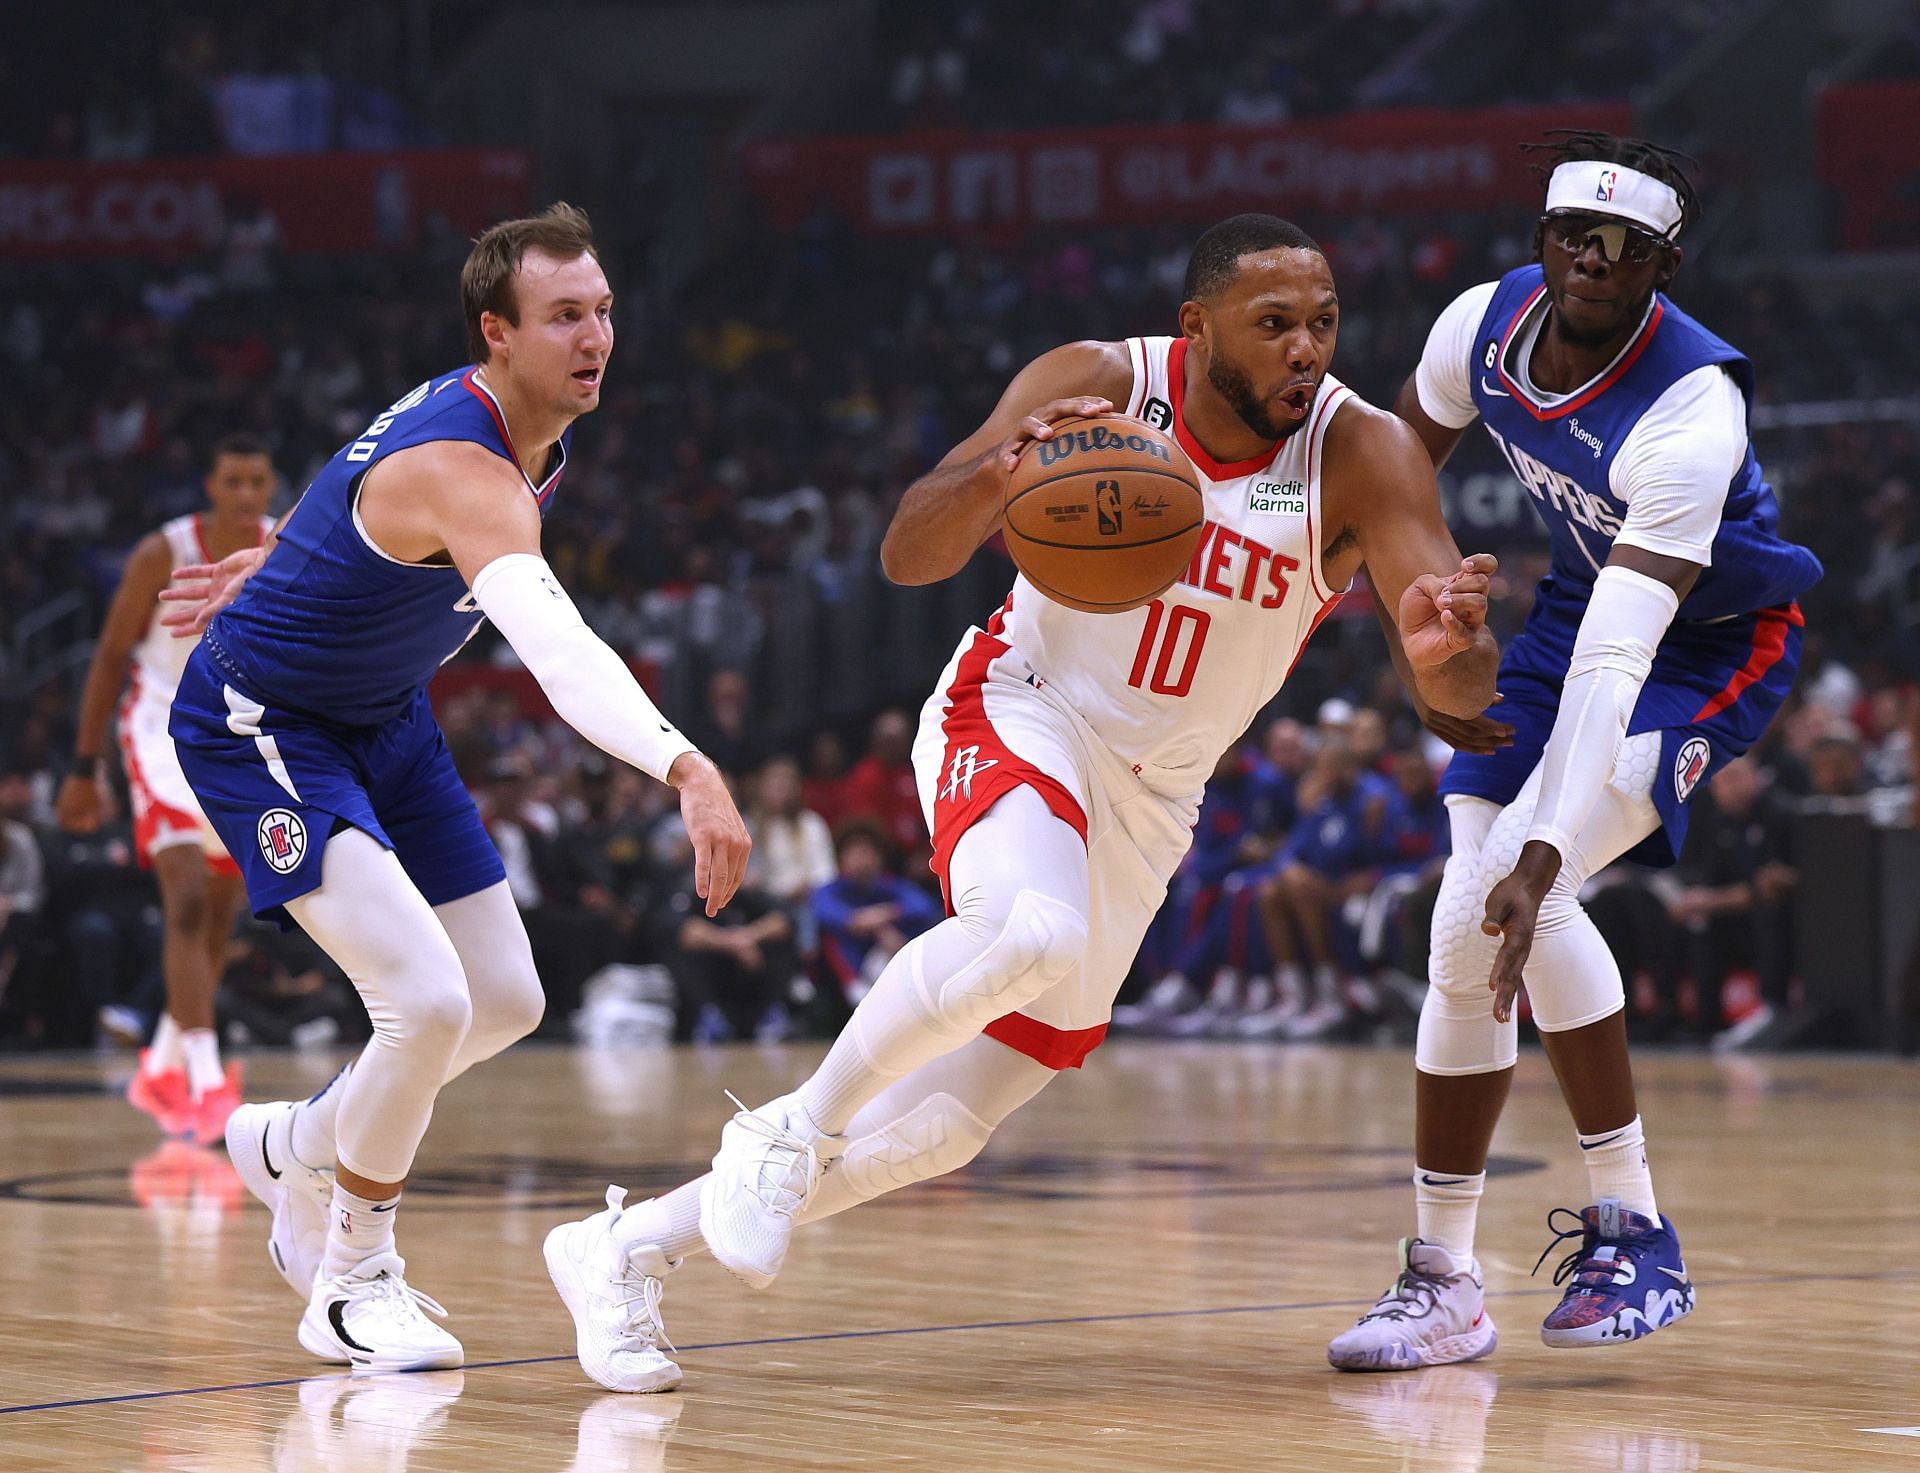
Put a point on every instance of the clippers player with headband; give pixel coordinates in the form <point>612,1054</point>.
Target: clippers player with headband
<point>1061,758</point>
<point>303,724</point>
<point>179,1081</point>
<point>1660,644</point>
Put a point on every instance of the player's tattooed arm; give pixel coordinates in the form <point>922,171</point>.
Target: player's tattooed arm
<point>946,514</point>
<point>1383,510</point>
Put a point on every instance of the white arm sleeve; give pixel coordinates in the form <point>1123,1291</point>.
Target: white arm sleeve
<point>589,685</point>
<point>1444,376</point>
<point>1677,464</point>
<point>1612,655</point>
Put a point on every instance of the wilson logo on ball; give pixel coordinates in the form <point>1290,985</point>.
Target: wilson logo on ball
<point>1099,438</point>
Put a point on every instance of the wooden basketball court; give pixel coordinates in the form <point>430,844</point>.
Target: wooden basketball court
<point>1141,1273</point>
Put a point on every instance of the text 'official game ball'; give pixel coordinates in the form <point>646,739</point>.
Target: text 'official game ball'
<point>1105,515</point>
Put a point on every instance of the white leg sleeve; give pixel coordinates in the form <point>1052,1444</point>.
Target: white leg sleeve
<point>1020,890</point>
<point>367,915</point>
<point>933,1121</point>
<point>497,958</point>
<point>1572,979</point>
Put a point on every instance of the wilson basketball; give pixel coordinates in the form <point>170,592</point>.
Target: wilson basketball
<point>1105,515</point>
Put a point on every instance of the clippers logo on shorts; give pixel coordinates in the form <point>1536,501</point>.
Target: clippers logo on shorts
<point>966,763</point>
<point>1690,765</point>
<point>1106,501</point>
<point>283,839</point>
<point>1603,191</point>
<point>1158,413</point>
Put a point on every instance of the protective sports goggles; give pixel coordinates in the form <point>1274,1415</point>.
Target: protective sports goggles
<point>1619,241</point>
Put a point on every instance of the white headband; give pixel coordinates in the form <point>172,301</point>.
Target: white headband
<point>1595,187</point>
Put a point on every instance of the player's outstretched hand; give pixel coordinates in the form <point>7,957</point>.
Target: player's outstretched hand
<point>1513,909</point>
<point>1039,425</point>
<point>1484,734</point>
<point>1442,617</point>
<point>720,838</point>
<point>204,589</point>
<point>81,806</point>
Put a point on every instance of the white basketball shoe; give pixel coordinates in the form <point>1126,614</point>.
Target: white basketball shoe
<point>260,1145</point>
<point>1434,1314</point>
<point>767,1167</point>
<point>371,1318</point>
<point>613,1294</point>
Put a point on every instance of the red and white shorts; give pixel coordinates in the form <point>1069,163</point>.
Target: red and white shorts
<point>165,812</point>
<point>990,727</point>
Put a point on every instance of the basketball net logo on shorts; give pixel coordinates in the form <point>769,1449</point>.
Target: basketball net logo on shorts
<point>283,839</point>
<point>1690,765</point>
<point>966,762</point>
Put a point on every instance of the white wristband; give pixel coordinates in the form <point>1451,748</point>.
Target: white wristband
<point>589,685</point>
<point>1625,621</point>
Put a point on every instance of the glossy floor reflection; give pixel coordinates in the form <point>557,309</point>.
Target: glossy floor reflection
<point>1140,1274</point>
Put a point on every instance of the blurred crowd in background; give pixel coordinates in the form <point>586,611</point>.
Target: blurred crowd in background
<point>719,525</point>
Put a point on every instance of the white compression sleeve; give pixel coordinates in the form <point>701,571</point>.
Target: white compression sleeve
<point>1612,655</point>
<point>589,685</point>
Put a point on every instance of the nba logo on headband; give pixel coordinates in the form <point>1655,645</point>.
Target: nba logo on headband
<point>1604,189</point>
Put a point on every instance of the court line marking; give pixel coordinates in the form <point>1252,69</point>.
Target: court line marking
<point>1888,1276</point>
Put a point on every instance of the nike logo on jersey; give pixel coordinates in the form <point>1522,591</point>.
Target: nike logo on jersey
<point>1487,388</point>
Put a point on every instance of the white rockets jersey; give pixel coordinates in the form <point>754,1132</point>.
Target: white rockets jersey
<point>1171,686</point>
<point>159,658</point>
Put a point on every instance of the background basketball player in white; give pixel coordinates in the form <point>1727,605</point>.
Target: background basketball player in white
<point>179,1081</point>
<point>1062,757</point>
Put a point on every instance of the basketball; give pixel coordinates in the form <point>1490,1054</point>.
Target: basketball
<point>1105,515</point>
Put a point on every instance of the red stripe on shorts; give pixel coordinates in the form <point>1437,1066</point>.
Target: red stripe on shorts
<point>1769,646</point>
<point>1055,1048</point>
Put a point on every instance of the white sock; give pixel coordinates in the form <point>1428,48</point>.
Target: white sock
<point>1617,1167</point>
<point>1326,985</point>
<point>164,1052</point>
<point>313,1121</point>
<point>1446,1207</point>
<point>670,1223</point>
<point>361,1228</point>
<point>202,1051</point>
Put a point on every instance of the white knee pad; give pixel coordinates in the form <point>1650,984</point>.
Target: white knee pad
<point>1572,977</point>
<point>1040,941</point>
<point>937,1136</point>
<point>1458,1032</point>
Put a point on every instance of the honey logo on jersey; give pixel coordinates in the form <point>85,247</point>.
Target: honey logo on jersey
<point>1278,498</point>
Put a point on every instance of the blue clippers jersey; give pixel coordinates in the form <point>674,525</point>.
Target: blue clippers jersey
<point>1564,456</point>
<point>333,628</point>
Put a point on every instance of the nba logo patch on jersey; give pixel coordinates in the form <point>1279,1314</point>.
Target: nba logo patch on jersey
<point>283,839</point>
<point>1690,765</point>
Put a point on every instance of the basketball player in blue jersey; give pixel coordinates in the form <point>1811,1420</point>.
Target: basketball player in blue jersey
<point>1661,643</point>
<point>303,725</point>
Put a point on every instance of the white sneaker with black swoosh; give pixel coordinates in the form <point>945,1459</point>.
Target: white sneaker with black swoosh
<point>374,1320</point>
<point>260,1145</point>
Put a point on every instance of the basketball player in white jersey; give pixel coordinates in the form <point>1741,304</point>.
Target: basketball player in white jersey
<point>1062,758</point>
<point>180,1081</point>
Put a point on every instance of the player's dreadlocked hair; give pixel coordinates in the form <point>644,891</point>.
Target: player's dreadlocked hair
<point>1216,255</point>
<point>1582,145</point>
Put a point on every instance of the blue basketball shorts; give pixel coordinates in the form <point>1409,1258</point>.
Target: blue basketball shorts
<point>1712,692</point>
<point>276,785</point>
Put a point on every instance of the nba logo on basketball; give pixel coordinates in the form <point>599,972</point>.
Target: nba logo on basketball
<point>1604,190</point>
<point>1106,500</point>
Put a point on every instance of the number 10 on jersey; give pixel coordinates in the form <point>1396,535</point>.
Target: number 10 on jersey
<point>1179,634</point>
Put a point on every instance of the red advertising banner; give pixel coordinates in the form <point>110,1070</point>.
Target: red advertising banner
<point>323,202</point>
<point>1869,156</point>
<point>1418,160</point>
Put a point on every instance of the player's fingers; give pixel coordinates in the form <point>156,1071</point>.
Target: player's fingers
<point>1470,608</point>
<point>702,865</point>
<point>179,592</point>
<point>1469,583</point>
<point>1481,562</point>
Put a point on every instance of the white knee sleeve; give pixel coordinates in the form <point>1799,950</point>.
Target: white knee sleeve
<point>1458,1032</point>
<point>1019,956</point>
<point>508,1000</point>
<point>937,1136</point>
